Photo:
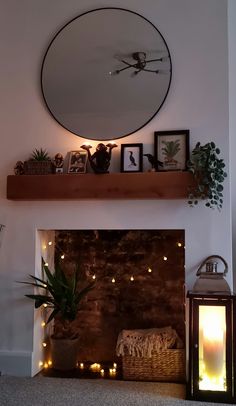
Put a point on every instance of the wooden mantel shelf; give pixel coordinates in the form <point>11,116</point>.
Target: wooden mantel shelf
<point>146,185</point>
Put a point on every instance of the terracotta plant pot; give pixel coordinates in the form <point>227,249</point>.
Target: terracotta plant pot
<point>64,353</point>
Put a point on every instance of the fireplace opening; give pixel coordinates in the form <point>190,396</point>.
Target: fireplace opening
<point>140,287</point>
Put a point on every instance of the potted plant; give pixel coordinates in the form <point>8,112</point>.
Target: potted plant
<point>209,175</point>
<point>63,296</point>
<point>39,163</point>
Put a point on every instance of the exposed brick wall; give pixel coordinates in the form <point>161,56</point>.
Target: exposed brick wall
<point>151,300</point>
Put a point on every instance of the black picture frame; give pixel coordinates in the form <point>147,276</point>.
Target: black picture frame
<point>131,158</point>
<point>177,141</point>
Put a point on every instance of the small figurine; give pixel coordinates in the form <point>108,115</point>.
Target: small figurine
<point>19,168</point>
<point>100,160</point>
<point>58,163</point>
<point>154,162</point>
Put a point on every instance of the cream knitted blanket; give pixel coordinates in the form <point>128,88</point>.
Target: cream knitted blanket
<point>141,343</point>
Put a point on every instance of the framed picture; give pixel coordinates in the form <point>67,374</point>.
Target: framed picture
<point>131,158</point>
<point>77,161</point>
<point>172,150</point>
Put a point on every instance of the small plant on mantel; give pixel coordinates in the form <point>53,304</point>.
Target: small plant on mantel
<point>39,163</point>
<point>209,175</point>
<point>40,155</point>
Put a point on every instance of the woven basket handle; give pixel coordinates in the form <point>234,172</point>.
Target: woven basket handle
<point>210,257</point>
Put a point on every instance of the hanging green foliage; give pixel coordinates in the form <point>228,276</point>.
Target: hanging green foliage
<point>209,175</point>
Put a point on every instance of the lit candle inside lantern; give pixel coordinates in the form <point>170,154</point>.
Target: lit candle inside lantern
<point>212,324</point>
<point>81,365</point>
<point>213,350</point>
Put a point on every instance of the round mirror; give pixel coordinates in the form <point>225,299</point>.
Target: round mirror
<point>106,74</point>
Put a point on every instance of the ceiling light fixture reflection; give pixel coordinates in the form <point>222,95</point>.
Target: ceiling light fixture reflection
<point>140,64</point>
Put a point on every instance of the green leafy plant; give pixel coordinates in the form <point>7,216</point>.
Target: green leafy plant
<point>40,155</point>
<point>62,296</point>
<point>209,175</point>
<point>171,149</point>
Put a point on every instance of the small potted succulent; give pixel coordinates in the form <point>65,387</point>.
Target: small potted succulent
<point>63,296</point>
<point>39,163</point>
<point>209,174</point>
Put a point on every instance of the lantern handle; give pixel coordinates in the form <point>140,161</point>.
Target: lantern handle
<point>210,257</point>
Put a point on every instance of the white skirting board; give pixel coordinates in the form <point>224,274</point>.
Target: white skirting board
<point>15,363</point>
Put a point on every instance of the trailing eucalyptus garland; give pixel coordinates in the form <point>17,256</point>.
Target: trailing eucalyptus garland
<point>208,171</point>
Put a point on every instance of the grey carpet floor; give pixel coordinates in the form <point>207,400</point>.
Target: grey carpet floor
<point>41,391</point>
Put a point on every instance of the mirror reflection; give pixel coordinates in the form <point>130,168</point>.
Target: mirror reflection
<point>106,74</point>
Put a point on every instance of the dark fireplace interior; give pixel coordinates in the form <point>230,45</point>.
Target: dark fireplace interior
<point>139,278</point>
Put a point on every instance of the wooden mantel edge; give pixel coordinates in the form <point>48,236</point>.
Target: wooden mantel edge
<point>143,185</point>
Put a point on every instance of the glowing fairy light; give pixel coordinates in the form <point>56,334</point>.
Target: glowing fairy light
<point>165,258</point>
<point>113,280</point>
<point>149,270</point>
<point>62,256</point>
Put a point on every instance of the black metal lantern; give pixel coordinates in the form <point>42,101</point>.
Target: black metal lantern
<point>211,337</point>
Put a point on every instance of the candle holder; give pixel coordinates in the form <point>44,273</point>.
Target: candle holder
<point>101,158</point>
<point>211,338</point>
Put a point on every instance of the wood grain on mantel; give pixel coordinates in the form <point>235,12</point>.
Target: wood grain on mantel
<point>146,185</point>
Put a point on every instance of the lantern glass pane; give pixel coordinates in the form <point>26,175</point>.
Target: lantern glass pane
<point>212,348</point>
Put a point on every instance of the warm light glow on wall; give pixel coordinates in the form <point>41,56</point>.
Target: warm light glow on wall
<point>212,350</point>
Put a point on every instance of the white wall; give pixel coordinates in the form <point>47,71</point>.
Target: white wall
<point>196,33</point>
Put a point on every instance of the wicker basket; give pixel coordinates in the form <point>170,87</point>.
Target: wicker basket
<point>165,366</point>
<point>37,167</point>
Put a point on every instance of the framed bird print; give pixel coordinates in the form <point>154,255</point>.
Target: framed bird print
<point>171,150</point>
<point>131,158</point>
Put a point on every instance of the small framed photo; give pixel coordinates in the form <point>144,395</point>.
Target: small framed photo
<point>77,161</point>
<point>131,158</point>
<point>171,149</point>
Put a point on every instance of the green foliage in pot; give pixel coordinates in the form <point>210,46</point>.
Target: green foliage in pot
<point>63,297</point>
<point>209,175</point>
<point>40,155</point>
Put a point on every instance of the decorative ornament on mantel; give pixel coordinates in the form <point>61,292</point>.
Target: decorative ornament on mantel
<point>101,158</point>
<point>209,175</point>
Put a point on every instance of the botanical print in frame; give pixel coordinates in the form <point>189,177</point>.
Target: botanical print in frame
<point>77,161</point>
<point>131,157</point>
<point>172,149</point>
